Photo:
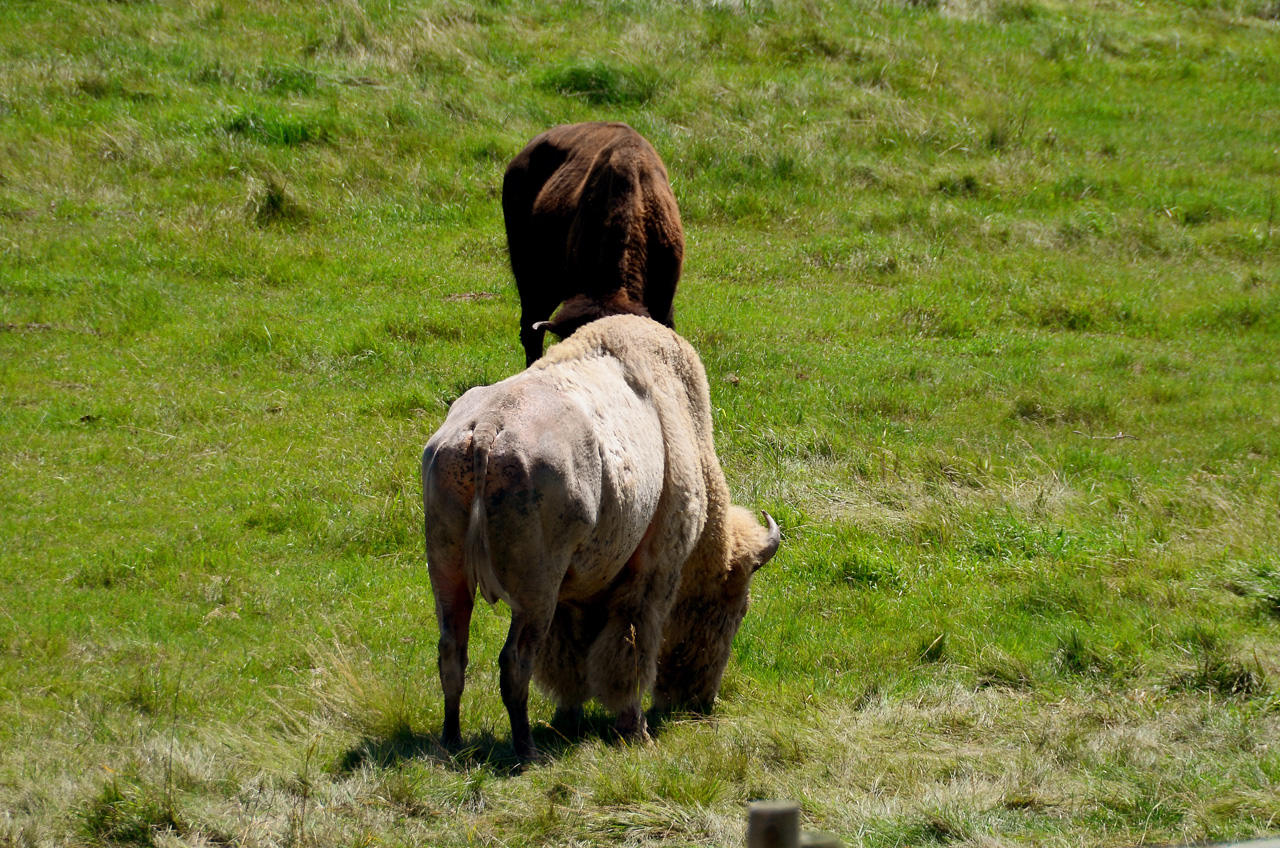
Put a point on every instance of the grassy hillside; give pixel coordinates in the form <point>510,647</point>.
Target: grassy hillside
<point>988,292</point>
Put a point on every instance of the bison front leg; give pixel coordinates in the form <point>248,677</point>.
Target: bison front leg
<point>527,633</point>
<point>622,666</point>
<point>561,665</point>
<point>622,663</point>
<point>531,338</point>
<point>539,297</point>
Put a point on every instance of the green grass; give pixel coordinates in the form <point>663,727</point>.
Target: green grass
<point>988,292</point>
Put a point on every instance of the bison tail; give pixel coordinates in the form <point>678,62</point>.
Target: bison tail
<point>476,556</point>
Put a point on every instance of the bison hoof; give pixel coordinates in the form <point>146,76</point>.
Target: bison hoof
<point>632,726</point>
<point>568,720</point>
<point>451,734</point>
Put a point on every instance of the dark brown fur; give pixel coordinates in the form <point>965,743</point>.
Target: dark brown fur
<point>591,223</point>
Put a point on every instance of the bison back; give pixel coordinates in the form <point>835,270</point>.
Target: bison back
<point>589,210</point>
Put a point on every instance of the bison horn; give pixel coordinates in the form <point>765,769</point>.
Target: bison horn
<point>771,544</point>
<point>542,325</point>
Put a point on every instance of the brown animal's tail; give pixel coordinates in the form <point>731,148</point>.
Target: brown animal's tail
<point>476,556</point>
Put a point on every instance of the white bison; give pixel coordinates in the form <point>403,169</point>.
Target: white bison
<point>585,493</point>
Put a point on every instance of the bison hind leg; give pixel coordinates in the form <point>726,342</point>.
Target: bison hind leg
<point>454,602</point>
<point>516,663</point>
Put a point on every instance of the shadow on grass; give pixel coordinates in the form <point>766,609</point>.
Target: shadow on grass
<point>485,750</point>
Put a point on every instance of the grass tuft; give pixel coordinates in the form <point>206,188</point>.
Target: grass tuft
<point>287,79</point>
<point>1264,585</point>
<point>382,717</point>
<point>931,828</point>
<point>1079,410</point>
<point>271,201</point>
<point>1217,670</point>
<point>1074,655</point>
<point>863,571</point>
<point>280,128</point>
<point>932,648</point>
<point>21,834</point>
<point>601,83</point>
<point>98,85</point>
<point>1009,11</point>
<point>1267,10</point>
<point>215,73</point>
<point>1241,315</point>
<point>404,793</point>
<point>960,185</point>
<point>107,572</point>
<point>999,669</point>
<point>129,816</point>
<point>1060,316</point>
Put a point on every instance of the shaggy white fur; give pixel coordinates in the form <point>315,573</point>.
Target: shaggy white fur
<point>585,493</point>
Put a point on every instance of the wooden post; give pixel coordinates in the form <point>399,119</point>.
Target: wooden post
<point>773,824</point>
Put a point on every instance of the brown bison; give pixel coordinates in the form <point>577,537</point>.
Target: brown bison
<point>585,493</point>
<point>591,223</point>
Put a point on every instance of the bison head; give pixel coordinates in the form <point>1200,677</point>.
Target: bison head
<point>699,634</point>
<point>582,309</point>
